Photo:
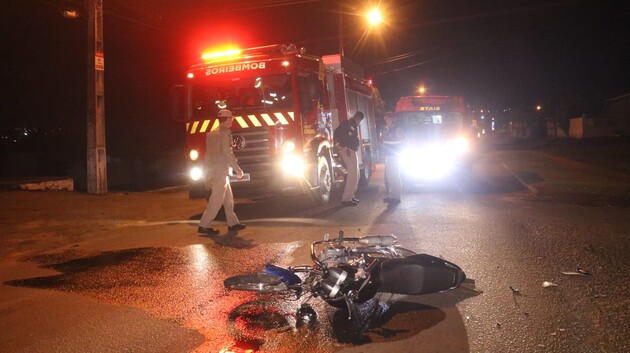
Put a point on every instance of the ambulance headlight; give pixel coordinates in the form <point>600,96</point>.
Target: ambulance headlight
<point>293,165</point>
<point>196,173</point>
<point>429,162</point>
<point>458,145</point>
<point>194,154</point>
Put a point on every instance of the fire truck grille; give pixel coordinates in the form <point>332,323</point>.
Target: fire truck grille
<point>253,157</point>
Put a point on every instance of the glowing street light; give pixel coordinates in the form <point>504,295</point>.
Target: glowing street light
<point>374,17</point>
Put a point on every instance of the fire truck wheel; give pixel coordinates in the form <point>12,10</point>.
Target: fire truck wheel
<point>322,193</point>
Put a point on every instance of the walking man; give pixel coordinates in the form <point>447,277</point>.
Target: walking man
<point>218,162</point>
<point>347,139</point>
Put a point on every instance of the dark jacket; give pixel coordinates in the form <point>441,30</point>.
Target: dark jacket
<point>347,135</point>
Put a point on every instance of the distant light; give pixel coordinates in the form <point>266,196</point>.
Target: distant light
<point>190,75</point>
<point>285,63</point>
<point>71,14</point>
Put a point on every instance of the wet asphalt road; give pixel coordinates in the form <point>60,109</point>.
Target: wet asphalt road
<point>163,291</point>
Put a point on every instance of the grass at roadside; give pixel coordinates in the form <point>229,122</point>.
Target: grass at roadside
<point>611,152</point>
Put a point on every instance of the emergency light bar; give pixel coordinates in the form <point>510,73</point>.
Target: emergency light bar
<point>264,50</point>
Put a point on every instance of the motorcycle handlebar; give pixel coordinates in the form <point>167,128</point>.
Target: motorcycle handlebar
<point>368,240</point>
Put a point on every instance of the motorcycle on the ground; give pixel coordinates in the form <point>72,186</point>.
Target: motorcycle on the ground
<point>350,271</point>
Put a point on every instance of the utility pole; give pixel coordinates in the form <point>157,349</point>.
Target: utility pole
<point>96,154</point>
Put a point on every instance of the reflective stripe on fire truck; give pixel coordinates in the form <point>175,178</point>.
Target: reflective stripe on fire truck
<point>251,120</point>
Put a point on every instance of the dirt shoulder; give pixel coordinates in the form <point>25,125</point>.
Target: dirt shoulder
<point>588,172</point>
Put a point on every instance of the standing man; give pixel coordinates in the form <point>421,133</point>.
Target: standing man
<point>347,139</point>
<point>219,160</point>
<point>392,142</point>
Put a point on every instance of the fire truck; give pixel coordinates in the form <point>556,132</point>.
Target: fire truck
<point>286,104</point>
<point>439,138</point>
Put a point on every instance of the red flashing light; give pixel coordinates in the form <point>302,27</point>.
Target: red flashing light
<point>222,53</point>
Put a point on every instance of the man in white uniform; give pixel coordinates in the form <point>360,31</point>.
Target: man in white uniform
<point>392,143</point>
<point>219,160</point>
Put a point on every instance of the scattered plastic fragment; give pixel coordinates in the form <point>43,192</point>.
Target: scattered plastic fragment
<point>515,290</point>
<point>572,273</point>
<point>600,296</point>
<point>549,284</point>
<point>578,272</point>
<point>583,271</point>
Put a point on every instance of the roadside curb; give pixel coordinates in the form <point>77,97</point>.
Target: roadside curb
<point>38,184</point>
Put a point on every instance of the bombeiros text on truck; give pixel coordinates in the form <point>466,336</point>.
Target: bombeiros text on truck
<point>286,105</point>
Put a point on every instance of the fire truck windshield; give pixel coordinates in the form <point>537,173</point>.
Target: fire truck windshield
<point>242,94</point>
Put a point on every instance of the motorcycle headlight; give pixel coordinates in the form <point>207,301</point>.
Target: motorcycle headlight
<point>333,281</point>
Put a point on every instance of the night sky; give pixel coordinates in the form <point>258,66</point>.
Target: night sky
<point>570,55</point>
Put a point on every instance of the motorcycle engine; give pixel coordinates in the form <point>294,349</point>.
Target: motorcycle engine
<point>341,280</point>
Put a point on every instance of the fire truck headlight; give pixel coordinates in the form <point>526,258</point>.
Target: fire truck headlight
<point>293,165</point>
<point>288,146</point>
<point>196,173</point>
<point>194,154</point>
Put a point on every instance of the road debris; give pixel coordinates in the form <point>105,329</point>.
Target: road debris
<point>578,272</point>
<point>515,291</point>
<point>549,284</point>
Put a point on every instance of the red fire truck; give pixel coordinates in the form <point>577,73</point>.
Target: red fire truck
<point>286,105</point>
<point>439,137</point>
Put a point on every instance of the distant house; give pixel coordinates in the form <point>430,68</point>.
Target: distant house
<point>617,114</point>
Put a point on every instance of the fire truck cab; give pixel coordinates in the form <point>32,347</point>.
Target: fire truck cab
<point>286,105</point>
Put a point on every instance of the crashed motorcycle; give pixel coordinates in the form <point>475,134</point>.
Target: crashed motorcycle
<point>350,271</point>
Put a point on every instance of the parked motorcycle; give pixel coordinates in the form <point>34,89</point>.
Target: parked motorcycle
<point>349,271</point>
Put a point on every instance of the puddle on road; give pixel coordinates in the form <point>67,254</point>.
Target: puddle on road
<point>185,285</point>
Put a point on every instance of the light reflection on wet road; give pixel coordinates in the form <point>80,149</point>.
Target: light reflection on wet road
<point>185,285</point>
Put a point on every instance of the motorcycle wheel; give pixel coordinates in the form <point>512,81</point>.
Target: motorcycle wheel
<point>254,321</point>
<point>259,282</point>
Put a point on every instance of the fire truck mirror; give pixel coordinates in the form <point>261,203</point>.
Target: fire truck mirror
<point>178,100</point>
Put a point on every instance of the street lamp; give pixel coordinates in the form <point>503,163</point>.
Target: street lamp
<point>373,17</point>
